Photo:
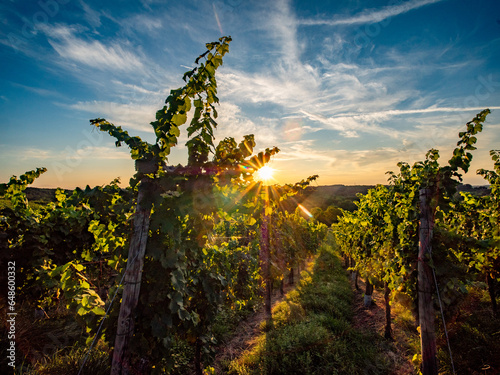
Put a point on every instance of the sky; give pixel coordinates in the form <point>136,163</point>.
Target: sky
<point>345,88</point>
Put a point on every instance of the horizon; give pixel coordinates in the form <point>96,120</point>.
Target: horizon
<point>345,91</point>
<point>310,186</point>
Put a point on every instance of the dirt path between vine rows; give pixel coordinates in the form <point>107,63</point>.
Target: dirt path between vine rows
<point>244,338</point>
<point>373,319</point>
<point>370,319</point>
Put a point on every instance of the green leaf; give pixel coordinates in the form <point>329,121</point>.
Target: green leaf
<point>85,285</point>
<point>174,130</point>
<point>78,267</point>
<point>98,310</point>
<point>81,311</point>
<point>179,119</point>
<point>251,221</point>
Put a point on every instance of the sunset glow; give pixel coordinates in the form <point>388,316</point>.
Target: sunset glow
<point>346,90</point>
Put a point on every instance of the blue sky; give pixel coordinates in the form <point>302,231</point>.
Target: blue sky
<point>346,89</point>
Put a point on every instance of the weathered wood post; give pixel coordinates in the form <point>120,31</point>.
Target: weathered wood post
<point>133,272</point>
<point>367,300</point>
<point>388,329</point>
<point>492,292</point>
<point>265,255</point>
<point>425,287</point>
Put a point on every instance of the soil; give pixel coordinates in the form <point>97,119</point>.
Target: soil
<point>373,319</point>
<point>247,332</point>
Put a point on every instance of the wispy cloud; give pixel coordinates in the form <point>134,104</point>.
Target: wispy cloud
<point>130,115</point>
<point>93,17</point>
<point>99,153</point>
<point>314,84</point>
<point>135,90</point>
<point>401,112</point>
<point>350,98</point>
<point>321,97</point>
<point>52,155</point>
<point>32,153</point>
<point>344,127</point>
<point>286,80</point>
<point>263,87</point>
<point>350,125</point>
<point>304,150</point>
<point>371,16</point>
<point>38,90</point>
<point>233,123</point>
<point>141,23</point>
<point>92,53</point>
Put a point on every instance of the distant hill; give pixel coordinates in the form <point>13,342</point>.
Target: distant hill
<point>339,195</point>
<point>40,194</point>
<point>478,190</point>
<point>43,195</point>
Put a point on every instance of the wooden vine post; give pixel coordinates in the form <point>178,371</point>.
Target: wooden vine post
<point>425,287</point>
<point>388,329</point>
<point>133,272</point>
<point>265,253</point>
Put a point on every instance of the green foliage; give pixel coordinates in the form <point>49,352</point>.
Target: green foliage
<point>382,235</point>
<point>54,233</point>
<point>328,216</point>
<point>63,263</point>
<point>461,158</point>
<point>14,189</point>
<point>76,291</point>
<point>474,226</point>
<point>138,148</point>
<point>293,239</point>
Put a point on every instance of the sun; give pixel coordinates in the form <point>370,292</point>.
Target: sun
<point>264,174</point>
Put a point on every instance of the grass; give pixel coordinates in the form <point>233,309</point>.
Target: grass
<point>39,338</point>
<point>51,346</point>
<point>311,331</point>
<point>69,361</point>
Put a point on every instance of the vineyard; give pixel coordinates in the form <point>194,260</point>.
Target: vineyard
<point>154,278</point>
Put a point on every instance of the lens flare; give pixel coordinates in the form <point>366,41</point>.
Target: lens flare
<point>305,210</point>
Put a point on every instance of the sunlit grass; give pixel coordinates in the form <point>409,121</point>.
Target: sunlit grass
<point>305,338</point>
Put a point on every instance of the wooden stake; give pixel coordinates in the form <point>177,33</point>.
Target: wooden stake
<point>425,287</point>
<point>132,283</point>
<point>388,329</point>
<point>368,293</point>
<point>266,263</point>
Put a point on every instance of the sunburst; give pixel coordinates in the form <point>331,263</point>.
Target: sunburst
<point>264,174</point>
